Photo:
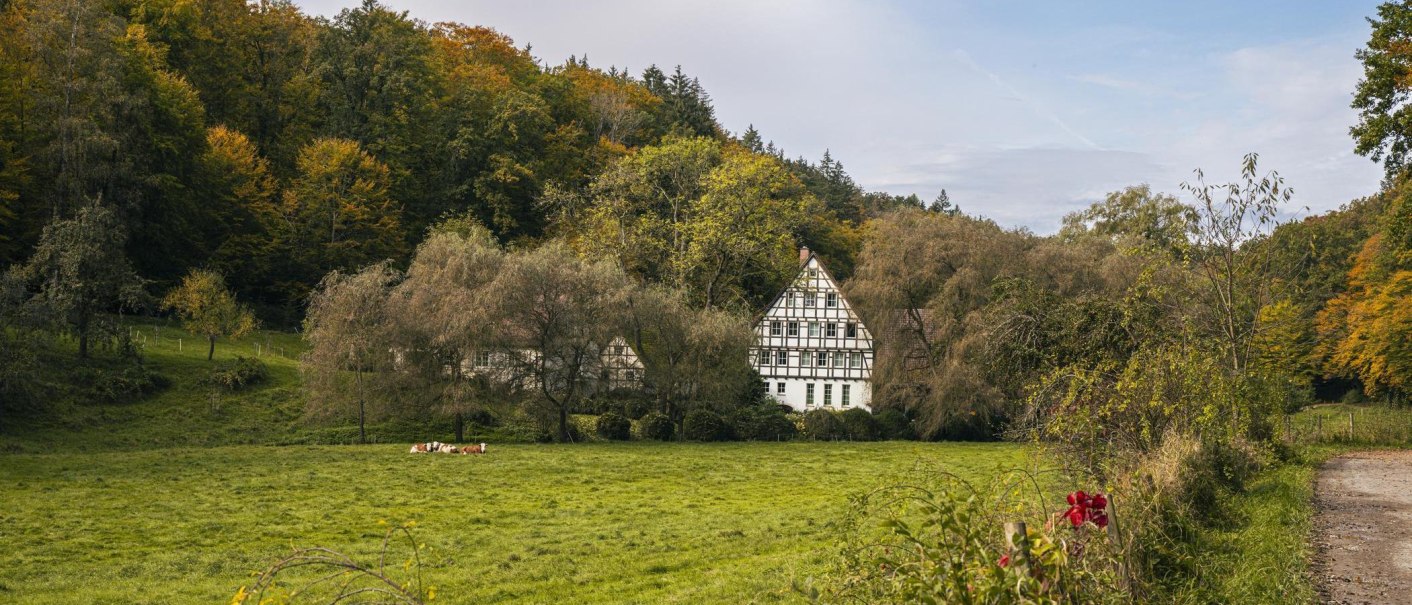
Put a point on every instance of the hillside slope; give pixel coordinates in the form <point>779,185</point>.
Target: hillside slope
<point>188,412</point>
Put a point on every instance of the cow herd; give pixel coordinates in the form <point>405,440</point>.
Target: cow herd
<point>437,447</point>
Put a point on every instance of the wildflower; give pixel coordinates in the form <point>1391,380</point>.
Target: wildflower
<point>1087,508</point>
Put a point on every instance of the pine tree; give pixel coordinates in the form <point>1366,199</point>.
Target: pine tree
<point>751,140</point>
<point>942,205</point>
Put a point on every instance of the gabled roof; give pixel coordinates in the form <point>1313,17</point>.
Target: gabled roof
<point>805,255</point>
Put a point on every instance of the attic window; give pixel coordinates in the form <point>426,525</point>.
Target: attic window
<point>831,299</point>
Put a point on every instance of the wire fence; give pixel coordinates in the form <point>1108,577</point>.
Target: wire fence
<point>1374,425</point>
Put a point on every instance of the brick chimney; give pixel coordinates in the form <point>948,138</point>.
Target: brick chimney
<point>803,254</point>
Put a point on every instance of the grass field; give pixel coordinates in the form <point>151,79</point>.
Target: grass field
<point>595,523</point>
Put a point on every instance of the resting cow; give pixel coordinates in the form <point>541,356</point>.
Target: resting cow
<point>437,447</point>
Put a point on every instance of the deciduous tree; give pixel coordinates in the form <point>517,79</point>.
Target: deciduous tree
<point>350,352</point>
<point>208,308</point>
<point>79,273</point>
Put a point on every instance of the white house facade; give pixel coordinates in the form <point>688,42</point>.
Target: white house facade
<point>617,367</point>
<point>810,347</point>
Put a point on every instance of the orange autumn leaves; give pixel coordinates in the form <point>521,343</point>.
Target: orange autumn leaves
<point>1366,331</point>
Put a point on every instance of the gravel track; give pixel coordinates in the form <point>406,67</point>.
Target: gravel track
<point>1363,529</point>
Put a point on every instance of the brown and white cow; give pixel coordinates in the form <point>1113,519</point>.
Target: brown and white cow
<point>437,447</point>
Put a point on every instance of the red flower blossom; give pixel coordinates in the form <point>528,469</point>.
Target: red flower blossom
<point>1087,508</point>
<point>1004,561</point>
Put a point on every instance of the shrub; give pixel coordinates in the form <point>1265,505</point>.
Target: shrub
<point>823,425</point>
<point>744,422</point>
<point>237,375</point>
<point>482,418</point>
<point>774,427</point>
<point>894,424</point>
<point>657,427</point>
<point>636,407</point>
<point>548,432</point>
<point>614,427</point>
<point>929,542</point>
<point>859,424</point>
<point>761,423</point>
<point>121,385</point>
<point>704,425</point>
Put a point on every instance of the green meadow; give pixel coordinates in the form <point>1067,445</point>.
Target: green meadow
<point>587,523</point>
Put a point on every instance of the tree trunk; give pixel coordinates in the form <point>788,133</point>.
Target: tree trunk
<point>460,427</point>
<point>563,424</point>
<point>362,413</point>
<point>211,352</point>
<point>83,337</point>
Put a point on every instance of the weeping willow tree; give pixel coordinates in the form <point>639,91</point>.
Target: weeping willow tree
<point>350,346</point>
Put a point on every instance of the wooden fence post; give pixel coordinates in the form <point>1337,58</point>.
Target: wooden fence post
<point>1116,538</point>
<point>1350,426</point>
<point>1017,543</point>
<point>1319,422</point>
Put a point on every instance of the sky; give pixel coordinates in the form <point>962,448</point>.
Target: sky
<point>1022,111</point>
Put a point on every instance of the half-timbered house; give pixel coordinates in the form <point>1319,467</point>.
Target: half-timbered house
<point>811,349</point>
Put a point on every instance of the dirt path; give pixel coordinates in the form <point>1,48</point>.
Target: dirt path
<point>1363,531</point>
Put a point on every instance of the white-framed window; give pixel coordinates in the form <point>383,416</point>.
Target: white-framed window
<point>793,328</point>
<point>776,328</point>
<point>630,375</point>
<point>767,388</point>
<point>813,273</point>
<point>831,330</point>
<point>821,358</point>
<point>813,329</point>
<point>617,349</point>
<point>843,397</point>
<point>852,331</point>
<point>789,298</point>
<point>838,359</point>
<point>855,359</point>
<point>828,395</point>
<point>831,299</point>
<point>809,298</point>
<point>482,359</point>
<point>781,359</point>
<point>809,395</point>
<point>779,389</point>
<point>764,357</point>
